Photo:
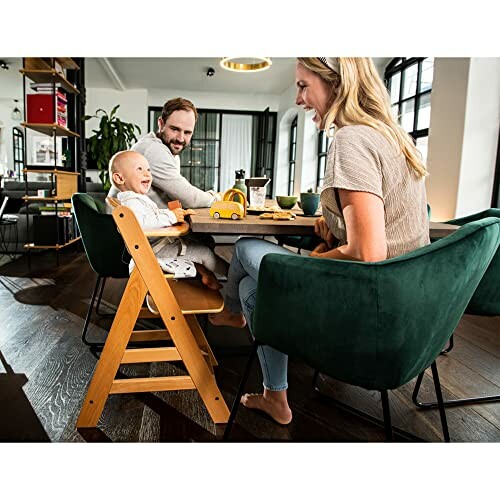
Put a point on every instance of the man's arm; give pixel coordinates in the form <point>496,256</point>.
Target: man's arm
<point>168,180</point>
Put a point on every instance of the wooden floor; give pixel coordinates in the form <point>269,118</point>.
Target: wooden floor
<point>45,370</point>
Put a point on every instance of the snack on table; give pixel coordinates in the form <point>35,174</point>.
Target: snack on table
<point>283,216</point>
<point>278,216</point>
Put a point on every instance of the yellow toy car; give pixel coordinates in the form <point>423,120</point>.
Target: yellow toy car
<point>229,209</point>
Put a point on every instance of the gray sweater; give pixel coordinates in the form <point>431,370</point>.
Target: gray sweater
<point>168,183</point>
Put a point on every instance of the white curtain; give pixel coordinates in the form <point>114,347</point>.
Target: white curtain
<point>236,148</point>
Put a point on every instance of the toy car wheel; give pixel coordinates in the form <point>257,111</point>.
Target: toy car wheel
<point>216,215</point>
<point>234,216</point>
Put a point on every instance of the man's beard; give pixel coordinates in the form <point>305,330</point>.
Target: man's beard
<point>172,141</point>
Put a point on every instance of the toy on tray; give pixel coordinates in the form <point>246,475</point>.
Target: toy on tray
<point>229,209</point>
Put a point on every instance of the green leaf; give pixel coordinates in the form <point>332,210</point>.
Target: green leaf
<point>113,111</point>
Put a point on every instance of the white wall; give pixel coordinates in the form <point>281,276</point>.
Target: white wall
<point>6,126</point>
<point>133,106</point>
<point>463,135</point>
<point>11,87</point>
<point>479,149</point>
<point>446,130</point>
<point>216,100</point>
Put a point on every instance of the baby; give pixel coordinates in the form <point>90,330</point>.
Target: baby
<point>129,172</point>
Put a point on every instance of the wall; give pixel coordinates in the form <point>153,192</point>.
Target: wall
<point>444,155</point>
<point>463,135</point>
<point>479,150</point>
<point>11,87</point>
<point>133,106</point>
<point>214,100</point>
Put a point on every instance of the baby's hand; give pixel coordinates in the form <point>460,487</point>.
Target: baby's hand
<point>179,214</point>
<point>189,211</point>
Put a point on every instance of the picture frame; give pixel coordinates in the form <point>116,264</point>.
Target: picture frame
<point>41,151</point>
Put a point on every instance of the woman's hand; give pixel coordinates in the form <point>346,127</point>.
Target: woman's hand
<point>321,230</point>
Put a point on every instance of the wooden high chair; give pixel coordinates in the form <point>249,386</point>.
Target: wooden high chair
<point>178,301</point>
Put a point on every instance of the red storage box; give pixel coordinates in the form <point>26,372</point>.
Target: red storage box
<point>41,108</point>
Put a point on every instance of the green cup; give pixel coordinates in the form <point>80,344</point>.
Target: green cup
<point>309,203</point>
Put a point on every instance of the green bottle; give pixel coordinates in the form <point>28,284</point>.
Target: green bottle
<point>239,183</point>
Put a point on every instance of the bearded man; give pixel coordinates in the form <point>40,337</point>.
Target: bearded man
<point>162,149</point>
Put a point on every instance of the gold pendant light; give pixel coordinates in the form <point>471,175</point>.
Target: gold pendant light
<point>246,64</point>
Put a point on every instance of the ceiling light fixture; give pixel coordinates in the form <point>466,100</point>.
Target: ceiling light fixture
<point>246,64</point>
<point>16,112</point>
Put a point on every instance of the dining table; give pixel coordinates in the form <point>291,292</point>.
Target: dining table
<point>302,225</point>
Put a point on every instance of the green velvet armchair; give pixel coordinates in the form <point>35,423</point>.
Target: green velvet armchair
<point>484,302</point>
<point>103,245</point>
<point>374,325</point>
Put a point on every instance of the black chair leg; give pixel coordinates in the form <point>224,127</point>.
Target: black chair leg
<point>387,415</point>
<point>448,402</point>
<point>439,396</point>
<point>241,388</point>
<point>99,299</point>
<point>89,314</point>
<point>449,348</point>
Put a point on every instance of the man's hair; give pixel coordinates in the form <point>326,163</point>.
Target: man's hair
<point>177,104</point>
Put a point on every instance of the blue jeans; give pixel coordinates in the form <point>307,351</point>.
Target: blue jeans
<point>239,295</point>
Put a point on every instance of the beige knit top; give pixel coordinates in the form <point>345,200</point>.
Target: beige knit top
<point>360,158</point>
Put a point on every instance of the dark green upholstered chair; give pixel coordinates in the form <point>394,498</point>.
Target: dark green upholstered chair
<point>103,245</point>
<point>484,302</point>
<point>374,325</point>
<point>299,242</point>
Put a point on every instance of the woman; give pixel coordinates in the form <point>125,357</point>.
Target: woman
<point>374,202</point>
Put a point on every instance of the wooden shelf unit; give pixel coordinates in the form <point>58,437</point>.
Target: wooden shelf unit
<point>63,184</point>
<point>50,128</point>
<point>66,183</point>
<point>51,247</point>
<point>49,76</point>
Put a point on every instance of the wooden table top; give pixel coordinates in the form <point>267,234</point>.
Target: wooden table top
<point>201,222</point>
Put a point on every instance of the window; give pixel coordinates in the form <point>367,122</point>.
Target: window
<point>18,150</point>
<point>323,145</point>
<point>409,81</point>
<point>292,155</point>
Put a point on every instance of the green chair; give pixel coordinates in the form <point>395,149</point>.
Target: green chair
<point>299,242</point>
<point>104,247</point>
<point>374,325</point>
<point>484,302</point>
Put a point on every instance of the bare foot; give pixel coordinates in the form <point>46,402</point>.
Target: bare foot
<point>208,278</point>
<point>278,411</point>
<point>228,318</point>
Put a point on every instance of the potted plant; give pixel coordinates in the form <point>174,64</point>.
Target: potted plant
<point>112,135</point>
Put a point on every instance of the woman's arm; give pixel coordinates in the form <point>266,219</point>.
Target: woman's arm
<point>364,217</point>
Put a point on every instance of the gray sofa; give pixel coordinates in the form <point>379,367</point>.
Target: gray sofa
<point>15,190</point>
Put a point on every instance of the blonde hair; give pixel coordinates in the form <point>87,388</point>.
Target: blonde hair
<point>359,97</point>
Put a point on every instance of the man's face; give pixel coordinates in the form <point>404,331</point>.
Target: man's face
<point>177,131</point>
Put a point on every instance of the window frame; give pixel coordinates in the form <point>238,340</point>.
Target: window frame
<point>292,155</point>
<point>399,65</point>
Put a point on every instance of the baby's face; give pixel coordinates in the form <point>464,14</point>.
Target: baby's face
<point>136,175</point>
